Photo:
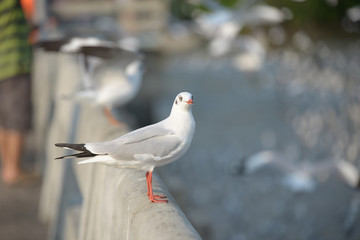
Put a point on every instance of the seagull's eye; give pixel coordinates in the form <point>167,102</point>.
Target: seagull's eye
<point>180,98</point>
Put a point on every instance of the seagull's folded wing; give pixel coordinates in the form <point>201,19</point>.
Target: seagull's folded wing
<point>155,148</point>
<point>149,142</point>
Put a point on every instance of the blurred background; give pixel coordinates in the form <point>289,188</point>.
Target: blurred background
<point>276,86</point>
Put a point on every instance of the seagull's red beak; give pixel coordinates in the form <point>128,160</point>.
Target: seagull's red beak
<point>190,101</point>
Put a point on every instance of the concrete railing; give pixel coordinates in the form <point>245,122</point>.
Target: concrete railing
<point>91,201</point>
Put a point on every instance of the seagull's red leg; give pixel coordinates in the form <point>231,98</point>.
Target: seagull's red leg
<point>147,183</point>
<point>150,184</point>
<point>152,197</point>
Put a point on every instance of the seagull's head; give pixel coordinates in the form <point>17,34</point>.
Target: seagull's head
<point>183,101</point>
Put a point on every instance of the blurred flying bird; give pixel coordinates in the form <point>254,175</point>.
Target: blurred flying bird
<point>300,176</point>
<point>221,26</point>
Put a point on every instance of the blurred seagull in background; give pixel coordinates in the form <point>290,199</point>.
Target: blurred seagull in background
<point>301,176</point>
<point>111,75</point>
<point>86,64</point>
<point>222,25</point>
<point>147,147</point>
<point>114,77</point>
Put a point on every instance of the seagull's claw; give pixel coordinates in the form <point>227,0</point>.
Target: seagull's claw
<point>158,199</point>
<point>154,199</point>
<point>159,196</point>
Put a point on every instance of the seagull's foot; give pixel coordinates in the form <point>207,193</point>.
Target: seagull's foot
<point>152,197</point>
<point>156,200</point>
<point>159,196</point>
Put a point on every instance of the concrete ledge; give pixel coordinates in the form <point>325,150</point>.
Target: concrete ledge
<point>147,220</point>
<point>118,192</point>
<point>96,201</point>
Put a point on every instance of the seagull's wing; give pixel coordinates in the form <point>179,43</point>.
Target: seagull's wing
<point>110,52</point>
<point>52,45</point>
<point>156,148</point>
<point>153,142</point>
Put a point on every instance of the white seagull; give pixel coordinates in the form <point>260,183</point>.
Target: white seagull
<point>115,77</point>
<point>301,176</point>
<point>222,26</point>
<point>145,148</point>
<point>111,75</point>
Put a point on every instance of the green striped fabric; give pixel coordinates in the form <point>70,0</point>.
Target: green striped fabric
<point>15,50</point>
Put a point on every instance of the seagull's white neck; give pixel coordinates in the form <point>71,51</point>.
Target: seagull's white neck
<point>181,120</point>
<point>179,110</point>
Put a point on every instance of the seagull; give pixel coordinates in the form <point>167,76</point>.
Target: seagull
<point>145,148</point>
<point>301,176</point>
<point>111,76</point>
<point>114,77</point>
<point>222,26</point>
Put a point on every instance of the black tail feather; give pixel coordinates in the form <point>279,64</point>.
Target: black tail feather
<point>78,155</point>
<point>77,147</point>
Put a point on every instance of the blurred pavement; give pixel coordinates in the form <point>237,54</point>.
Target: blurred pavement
<point>19,209</point>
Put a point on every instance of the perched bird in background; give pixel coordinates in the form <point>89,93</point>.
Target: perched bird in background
<point>52,45</point>
<point>86,63</point>
<point>113,77</point>
<point>74,44</point>
<point>145,148</point>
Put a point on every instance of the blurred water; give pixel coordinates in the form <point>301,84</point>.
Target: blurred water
<point>304,105</point>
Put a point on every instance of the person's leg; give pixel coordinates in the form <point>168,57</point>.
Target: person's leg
<point>13,152</point>
<point>3,141</point>
<point>2,149</point>
<point>15,121</point>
